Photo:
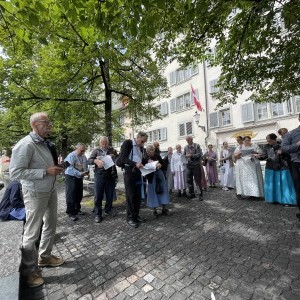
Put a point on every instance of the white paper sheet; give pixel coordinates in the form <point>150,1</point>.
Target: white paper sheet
<point>108,162</point>
<point>149,168</point>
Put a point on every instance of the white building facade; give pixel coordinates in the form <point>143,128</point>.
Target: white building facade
<point>216,125</point>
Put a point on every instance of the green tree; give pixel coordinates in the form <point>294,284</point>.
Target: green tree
<point>77,52</point>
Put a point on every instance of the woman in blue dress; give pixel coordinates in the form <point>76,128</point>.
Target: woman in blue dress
<point>158,192</point>
<point>278,186</point>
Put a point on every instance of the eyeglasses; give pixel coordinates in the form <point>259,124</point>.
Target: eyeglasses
<point>45,121</point>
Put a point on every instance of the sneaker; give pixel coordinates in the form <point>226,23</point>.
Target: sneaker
<point>98,219</point>
<point>34,280</point>
<point>225,188</point>
<point>51,261</point>
<point>74,218</point>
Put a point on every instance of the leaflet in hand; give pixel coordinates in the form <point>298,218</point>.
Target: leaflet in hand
<point>108,162</point>
<point>149,168</point>
<point>246,152</point>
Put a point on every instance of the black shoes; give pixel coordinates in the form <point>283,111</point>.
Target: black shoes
<point>201,197</point>
<point>184,194</point>
<point>298,215</point>
<point>98,219</point>
<point>140,220</point>
<point>155,213</point>
<point>81,213</point>
<point>191,196</point>
<point>133,223</point>
<point>165,212</point>
<point>179,194</point>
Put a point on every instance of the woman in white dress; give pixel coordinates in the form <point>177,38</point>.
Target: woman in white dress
<point>227,175</point>
<point>178,167</point>
<point>249,178</point>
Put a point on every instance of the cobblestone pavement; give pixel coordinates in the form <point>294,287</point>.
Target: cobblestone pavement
<point>237,249</point>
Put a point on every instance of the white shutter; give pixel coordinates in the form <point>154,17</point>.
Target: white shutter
<point>214,119</point>
<point>163,133</point>
<point>164,108</point>
<point>247,112</point>
<point>173,105</point>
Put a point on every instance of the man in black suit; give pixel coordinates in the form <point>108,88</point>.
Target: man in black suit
<point>130,158</point>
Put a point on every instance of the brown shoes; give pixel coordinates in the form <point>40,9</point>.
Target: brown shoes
<point>51,261</point>
<point>34,280</point>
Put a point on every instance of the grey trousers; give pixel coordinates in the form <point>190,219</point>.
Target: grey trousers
<point>41,208</point>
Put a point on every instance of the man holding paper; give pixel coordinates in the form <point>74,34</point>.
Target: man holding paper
<point>105,175</point>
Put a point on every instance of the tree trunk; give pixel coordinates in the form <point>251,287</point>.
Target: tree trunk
<point>104,65</point>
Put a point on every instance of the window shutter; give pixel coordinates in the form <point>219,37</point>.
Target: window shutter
<point>189,128</point>
<point>181,130</point>
<point>164,108</point>
<point>173,105</point>
<point>163,133</point>
<point>247,112</point>
<point>213,120</point>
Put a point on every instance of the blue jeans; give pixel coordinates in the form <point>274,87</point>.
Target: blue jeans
<point>103,184</point>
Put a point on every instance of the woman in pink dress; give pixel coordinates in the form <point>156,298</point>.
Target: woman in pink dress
<point>210,159</point>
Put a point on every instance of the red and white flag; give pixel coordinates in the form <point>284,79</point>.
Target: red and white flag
<point>196,101</point>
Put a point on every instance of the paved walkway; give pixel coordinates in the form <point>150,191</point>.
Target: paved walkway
<point>237,249</point>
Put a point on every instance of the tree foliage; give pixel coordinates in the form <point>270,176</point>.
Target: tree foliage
<point>69,56</point>
<point>258,44</point>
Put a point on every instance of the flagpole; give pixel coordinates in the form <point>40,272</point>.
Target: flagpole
<point>206,100</point>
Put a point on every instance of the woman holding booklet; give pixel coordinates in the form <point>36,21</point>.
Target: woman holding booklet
<point>249,178</point>
<point>158,192</point>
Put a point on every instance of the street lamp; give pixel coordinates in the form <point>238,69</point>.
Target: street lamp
<point>197,118</point>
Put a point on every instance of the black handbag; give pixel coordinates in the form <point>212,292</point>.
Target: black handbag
<point>158,185</point>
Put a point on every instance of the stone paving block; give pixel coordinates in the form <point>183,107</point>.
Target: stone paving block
<point>121,286</point>
<point>86,297</point>
<point>178,296</point>
<point>132,290</point>
<point>149,277</point>
<point>168,290</point>
<point>147,288</point>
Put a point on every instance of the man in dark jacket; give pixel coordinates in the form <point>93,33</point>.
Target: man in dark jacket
<point>130,158</point>
<point>105,178</point>
<point>12,205</point>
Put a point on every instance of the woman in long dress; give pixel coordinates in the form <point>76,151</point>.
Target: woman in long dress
<point>279,187</point>
<point>249,178</point>
<point>211,166</point>
<point>169,175</point>
<point>157,192</point>
<point>227,175</point>
<point>178,166</point>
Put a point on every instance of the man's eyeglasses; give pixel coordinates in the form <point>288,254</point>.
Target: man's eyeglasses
<point>45,121</point>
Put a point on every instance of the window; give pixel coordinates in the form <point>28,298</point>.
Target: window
<point>181,102</point>
<point>163,108</point>
<point>247,112</point>
<point>157,135</point>
<point>225,117</point>
<point>183,74</point>
<point>185,129</point>
<point>213,86</point>
<point>277,109</point>
<point>213,120</point>
<point>262,111</point>
<point>297,103</point>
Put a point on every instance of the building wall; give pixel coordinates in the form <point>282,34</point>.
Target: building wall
<point>222,124</point>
